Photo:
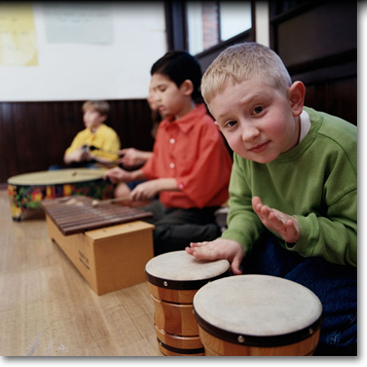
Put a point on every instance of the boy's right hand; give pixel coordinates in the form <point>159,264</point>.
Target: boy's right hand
<point>116,175</point>
<point>130,158</point>
<point>218,249</point>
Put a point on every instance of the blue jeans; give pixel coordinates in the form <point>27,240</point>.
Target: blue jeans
<point>335,285</point>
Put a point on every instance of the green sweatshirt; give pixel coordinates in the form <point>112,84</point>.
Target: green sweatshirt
<point>316,182</point>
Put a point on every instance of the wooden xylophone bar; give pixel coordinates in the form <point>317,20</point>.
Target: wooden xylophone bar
<point>77,214</point>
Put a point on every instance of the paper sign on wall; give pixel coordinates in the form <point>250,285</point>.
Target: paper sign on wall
<point>18,44</point>
<point>78,23</point>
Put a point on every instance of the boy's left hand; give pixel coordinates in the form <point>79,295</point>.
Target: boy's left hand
<point>285,225</point>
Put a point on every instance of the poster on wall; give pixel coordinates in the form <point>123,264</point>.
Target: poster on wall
<point>18,43</point>
<point>78,23</point>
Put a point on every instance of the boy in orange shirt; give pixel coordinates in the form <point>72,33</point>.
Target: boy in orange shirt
<point>190,166</point>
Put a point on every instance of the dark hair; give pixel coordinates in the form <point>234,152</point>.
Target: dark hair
<point>179,66</point>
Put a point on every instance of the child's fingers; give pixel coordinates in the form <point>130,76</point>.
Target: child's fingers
<point>198,244</point>
<point>235,266</point>
<point>256,204</point>
<point>256,200</point>
<point>292,231</point>
<point>203,253</point>
<point>290,227</point>
<point>189,250</point>
<point>136,194</point>
<point>265,212</point>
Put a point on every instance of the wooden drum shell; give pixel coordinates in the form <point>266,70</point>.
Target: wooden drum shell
<point>175,318</point>
<point>175,345</point>
<point>175,324</point>
<point>219,347</point>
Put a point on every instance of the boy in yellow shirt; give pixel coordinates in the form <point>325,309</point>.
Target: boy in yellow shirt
<point>97,143</point>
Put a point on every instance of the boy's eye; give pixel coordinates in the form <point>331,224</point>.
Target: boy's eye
<point>231,123</point>
<point>257,110</point>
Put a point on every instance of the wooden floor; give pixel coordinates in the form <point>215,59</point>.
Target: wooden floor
<point>48,309</point>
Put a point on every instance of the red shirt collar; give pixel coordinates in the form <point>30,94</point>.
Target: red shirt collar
<point>186,122</point>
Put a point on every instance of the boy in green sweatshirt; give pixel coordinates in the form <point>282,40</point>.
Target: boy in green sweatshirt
<point>293,188</point>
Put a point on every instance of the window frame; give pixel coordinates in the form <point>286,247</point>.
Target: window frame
<point>177,32</point>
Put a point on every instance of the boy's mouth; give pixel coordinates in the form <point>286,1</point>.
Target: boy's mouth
<point>259,148</point>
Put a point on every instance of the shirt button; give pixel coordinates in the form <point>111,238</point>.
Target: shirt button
<point>172,165</point>
<point>172,141</point>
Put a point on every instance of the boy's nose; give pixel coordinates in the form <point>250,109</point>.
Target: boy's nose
<point>249,133</point>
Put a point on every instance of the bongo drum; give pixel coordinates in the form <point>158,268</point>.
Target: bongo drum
<point>27,190</point>
<point>257,315</point>
<point>173,279</point>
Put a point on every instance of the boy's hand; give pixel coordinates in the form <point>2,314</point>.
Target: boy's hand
<point>116,175</point>
<point>145,191</point>
<point>131,158</point>
<point>217,250</point>
<point>285,225</point>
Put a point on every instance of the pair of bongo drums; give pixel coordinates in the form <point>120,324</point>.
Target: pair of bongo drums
<point>201,310</point>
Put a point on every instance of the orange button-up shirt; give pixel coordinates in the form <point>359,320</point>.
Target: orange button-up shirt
<point>192,151</point>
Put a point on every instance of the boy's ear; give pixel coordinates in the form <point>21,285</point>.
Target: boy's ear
<point>217,125</point>
<point>296,95</point>
<point>187,87</point>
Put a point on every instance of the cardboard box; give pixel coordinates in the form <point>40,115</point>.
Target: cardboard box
<point>109,258</point>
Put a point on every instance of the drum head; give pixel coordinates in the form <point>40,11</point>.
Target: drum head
<point>179,270</point>
<point>257,310</point>
<point>57,177</point>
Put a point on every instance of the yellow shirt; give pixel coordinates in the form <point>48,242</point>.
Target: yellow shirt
<point>104,138</point>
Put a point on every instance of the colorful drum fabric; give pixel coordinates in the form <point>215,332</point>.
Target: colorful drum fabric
<point>27,190</point>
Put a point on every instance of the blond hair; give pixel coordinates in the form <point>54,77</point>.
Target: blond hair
<point>102,107</point>
<point>243,62</point>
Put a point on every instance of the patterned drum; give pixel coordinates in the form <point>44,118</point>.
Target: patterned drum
<point>27,190</point>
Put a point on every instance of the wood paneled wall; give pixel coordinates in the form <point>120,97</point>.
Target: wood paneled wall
<point>34,135</point>
<point>317,42</point>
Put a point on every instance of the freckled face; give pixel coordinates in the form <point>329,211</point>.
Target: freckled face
<point>256,119</point>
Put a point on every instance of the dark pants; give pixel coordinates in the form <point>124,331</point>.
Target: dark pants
<point>335,285</point>
<point>176,228</point>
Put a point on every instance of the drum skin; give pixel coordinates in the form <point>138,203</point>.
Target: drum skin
<point>257,315</point>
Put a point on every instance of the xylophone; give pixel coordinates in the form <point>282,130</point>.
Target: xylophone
<point>108,244</point>
<point>78,214</point>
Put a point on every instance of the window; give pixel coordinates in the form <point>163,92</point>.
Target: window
<point>212,22</point>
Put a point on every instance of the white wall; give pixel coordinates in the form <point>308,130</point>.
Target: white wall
<point>79,71</point>
<point>262,23</point>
